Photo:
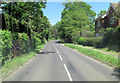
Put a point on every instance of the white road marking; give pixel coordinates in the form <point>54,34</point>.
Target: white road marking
<point>57,52</point>
<point>88,57</point>
<point>69,76</point>
<point>61,57</point>
<point>54,46</point>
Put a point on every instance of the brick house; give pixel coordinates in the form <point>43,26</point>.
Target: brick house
<point>107,20</point>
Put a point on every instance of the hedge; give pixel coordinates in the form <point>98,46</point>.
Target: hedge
<point>6,45</point>
<point>93,41</point>
<point>110,37</point>
<point>14,44</point>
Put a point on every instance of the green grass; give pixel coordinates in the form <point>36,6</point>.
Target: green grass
<point>18,61</point>
<point>113,49</point>
<point>95,54</point>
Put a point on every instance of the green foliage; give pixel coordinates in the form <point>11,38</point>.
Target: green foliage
<point>24,17</point>
<point>80,40</point>
<point>112,37</point>
<point>18,61</point>
<point>95,54</point>
<point>101,12</point>
<point>87,33</point>
<point>0,44</point>
<point>24,43</point>
<point>6,45</point>
<point>93,41</point>
<point>35,41</point>
<point>98,42</point>
<point>76,17</point>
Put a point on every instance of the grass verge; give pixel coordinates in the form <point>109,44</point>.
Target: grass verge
<point>95,54</point>
<point>18,61</point>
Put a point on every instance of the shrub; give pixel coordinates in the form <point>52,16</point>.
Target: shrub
<point>35,41</point>
<point>6,45</point>
<point>93,41</point>
<point>112,36</point>
<point>21,43</point>
<point>87,33</point>
<point>88,41</point>
<point>24,43</point>
<point>80,40</point>
<point>98,43</point>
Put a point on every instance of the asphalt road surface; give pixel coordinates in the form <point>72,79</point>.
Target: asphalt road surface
<point>59,63</point>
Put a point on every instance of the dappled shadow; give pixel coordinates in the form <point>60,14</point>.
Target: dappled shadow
<point>116,72</point>
<point>60,42</point>
<point>46,52</point>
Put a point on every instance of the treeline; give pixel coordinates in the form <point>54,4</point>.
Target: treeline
<point>77,26</point>
<point>77,20</point>
<point>24,28</point>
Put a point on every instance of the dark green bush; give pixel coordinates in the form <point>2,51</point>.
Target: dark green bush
<point>14,44</point>
<point>93,41</point>
<point>6,45</point>
<point>112,37</point>
<point>98,42</point>
<point>88,41</point>
<point>21,43</point>
<point>80,40</point>
<point>35,41</point>
<point>24,43</point>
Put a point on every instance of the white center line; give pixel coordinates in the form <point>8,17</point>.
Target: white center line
<point>61,57</point>
<point>69,76</point>
<point>57,52</point>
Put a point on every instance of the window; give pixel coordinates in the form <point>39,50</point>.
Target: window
<point>112,20</point>
<point>98,23</point>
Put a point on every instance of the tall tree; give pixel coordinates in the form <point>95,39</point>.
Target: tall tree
<point>75,17</point>
<point>23,16</point>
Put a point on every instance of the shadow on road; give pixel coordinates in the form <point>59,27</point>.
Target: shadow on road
<point>116,72</point>
<point>59,42</point>
<point>47,52</point>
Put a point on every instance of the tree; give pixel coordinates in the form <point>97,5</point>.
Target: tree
<point>101,12</point>
<point>75,17</point>
<point>21,13</point>
<point>27,16</point>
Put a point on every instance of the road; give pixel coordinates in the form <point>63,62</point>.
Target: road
<point>59,63</point>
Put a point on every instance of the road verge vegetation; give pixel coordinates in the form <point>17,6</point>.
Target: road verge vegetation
<point>18,61</point>
<point>111,60</point>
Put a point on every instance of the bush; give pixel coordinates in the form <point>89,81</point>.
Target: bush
<point>24,43</point>
<point>87,33</point>
<point>80,40</point>
<point>35,41</point>
<point>6,45</point>
<point>88,41</point>
<point>98,43</point>
<point>93,41</point>
<point>112,37</point>
<point>21,43</point>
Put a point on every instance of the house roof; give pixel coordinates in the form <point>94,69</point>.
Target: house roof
<point>115,6</point>
<point>101,16</point>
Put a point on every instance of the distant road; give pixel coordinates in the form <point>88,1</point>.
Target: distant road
<point>59,63</point>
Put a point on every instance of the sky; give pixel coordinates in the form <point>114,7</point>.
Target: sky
<point>54,9</point>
